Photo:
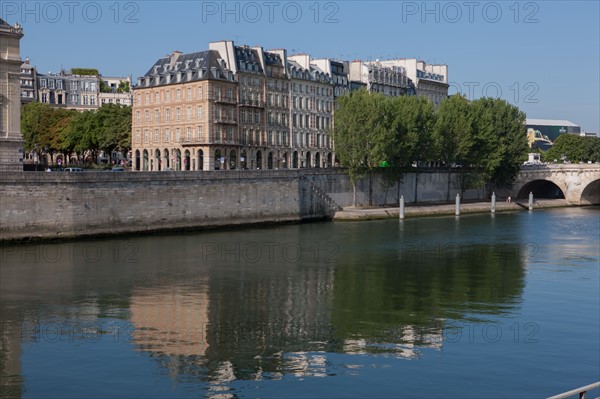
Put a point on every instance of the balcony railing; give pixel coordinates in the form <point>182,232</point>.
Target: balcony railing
<point>223,99</point>
<point>252,103</point>
<point>225,120</point>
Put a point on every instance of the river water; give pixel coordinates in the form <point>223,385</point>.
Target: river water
<point>481,306</point>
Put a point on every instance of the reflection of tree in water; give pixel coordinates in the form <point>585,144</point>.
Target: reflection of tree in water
<point>407,301</point>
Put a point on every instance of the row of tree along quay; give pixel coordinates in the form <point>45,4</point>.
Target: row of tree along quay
<point>573,148</point>
<point>483,140</point>
<point>68,132</point>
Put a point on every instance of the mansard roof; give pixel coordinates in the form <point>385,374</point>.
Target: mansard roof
<point>314,73</point>
<point>273,59</point>
<point>182,68</point>
<point>248,56</point>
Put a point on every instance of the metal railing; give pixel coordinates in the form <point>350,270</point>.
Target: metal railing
<point>581,391</point>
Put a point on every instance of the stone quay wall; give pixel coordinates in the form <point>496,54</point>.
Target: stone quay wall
<point>60,205</point>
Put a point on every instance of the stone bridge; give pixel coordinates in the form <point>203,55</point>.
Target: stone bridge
<point>578,184</point>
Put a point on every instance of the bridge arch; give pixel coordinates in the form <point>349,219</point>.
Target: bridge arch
<point>542,188</point>
<point>591,193</point>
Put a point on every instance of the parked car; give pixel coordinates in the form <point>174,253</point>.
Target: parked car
<point>73,170</point>
<point>118,169</point>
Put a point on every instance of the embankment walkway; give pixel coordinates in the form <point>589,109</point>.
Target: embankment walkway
<point>410,210</point>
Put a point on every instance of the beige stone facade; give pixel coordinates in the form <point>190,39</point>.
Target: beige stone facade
<point>231,107</point>
<point>187,126</point>
<point>11,140</point>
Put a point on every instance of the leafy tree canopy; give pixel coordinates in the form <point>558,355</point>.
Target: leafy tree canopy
<point>574,148</point>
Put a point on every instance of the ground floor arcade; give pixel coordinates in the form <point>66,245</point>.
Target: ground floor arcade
<point>195,158</point>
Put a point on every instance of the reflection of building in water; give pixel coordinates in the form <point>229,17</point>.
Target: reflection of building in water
<point>170,320</point>
<point>405,343</point>
<point>303,364</point>
<point>223,374</point>
<point>268,315</point>
<point>223,334</point>
<point>10,362</point>
<point>265,318</point>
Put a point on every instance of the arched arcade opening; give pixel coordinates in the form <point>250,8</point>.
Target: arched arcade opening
<point>187,160</point>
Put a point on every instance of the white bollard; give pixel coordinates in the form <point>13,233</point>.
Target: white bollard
<point>493,202</point>
<point>457,212</point>
<point>401,215</point>
<point>530,200</point>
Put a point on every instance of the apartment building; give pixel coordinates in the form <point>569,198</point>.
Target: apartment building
<point>28,82</point>
<point>276,141</point>
<point>339,72</point>
<point>312,98</point>
<point>429,81</point>
<point>248,64</point>
<point>82,90</point>
<point>277,109</point>
<point>376,78</point>
<point>185,115</point>
<point>115,90</point>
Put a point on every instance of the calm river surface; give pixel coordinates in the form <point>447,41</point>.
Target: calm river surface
<point>481,306</point>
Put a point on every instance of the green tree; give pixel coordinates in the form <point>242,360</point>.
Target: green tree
<point>114,124</point>
<point>453,134</point>
<point>60,124</point>
<point>85,134</point>
<point>500,142</point>
<point>574,148</point>
<point>36,123</point>
<point>361,133</point>
<point>413,122</point>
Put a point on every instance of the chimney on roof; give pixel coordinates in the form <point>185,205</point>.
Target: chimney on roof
<point>175,55</point>
<point>27,60</point>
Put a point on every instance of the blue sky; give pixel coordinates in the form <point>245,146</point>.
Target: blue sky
<point>542,56</point>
